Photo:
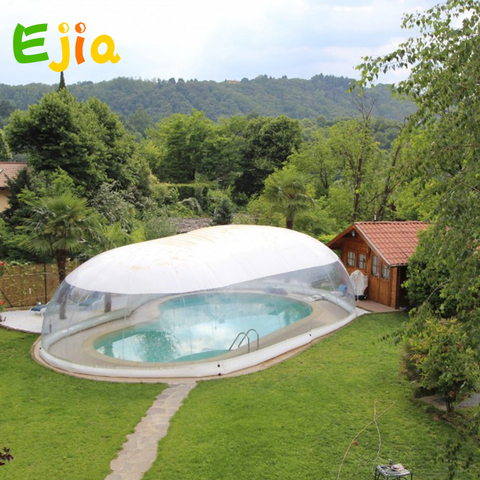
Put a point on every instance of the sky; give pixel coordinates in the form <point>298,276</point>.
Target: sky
<point>206,39</point>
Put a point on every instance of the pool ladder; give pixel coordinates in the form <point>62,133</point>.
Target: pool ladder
<point>244,336</point>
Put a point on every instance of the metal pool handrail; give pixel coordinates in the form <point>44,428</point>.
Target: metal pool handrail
<point>245,335</point>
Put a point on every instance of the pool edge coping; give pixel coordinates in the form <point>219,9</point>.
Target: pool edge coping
<point>36,347</point>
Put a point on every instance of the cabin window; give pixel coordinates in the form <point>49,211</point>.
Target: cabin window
<point>362,260</point>
<point>351,259</point>
<point>385,272</point>
<point>375,265</point>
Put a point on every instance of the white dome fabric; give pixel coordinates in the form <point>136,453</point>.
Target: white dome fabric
<point>204,259</point>
<point>209,302</point>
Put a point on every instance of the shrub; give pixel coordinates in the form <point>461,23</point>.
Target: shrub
<point>193,205</point>
<point>223,214</point>
<point>439,355</point>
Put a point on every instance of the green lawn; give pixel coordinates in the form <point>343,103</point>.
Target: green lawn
<point>296,419</point>
<point>292,421</point>
<point>59,427</point>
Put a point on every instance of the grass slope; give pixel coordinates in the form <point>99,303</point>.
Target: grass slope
<point>295,420</point>
<point>59,427</point>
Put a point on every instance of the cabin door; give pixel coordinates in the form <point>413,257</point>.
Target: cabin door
<point>378,281</point>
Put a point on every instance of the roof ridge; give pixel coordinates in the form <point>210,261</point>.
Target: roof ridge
<point>378,222</point>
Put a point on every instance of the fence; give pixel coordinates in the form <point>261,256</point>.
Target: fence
<point>25,285</point>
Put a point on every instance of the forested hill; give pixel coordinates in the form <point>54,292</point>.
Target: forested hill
<point>296,98</point>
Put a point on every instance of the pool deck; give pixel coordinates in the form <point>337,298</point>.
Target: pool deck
<point>30,322</point>
<point>78,347</point>
<point>374,307</point>
<point>22,320</point>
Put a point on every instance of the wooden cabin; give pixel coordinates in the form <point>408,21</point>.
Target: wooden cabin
<point>381,251</point>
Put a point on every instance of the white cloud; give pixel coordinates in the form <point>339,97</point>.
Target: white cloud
<point>352,10</point>
<point>208,39</point>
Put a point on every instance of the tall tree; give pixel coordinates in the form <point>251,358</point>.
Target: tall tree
<point>443,81</point>
<point>316,159</point>
<point>5,153</point>
<point>58,132</point>
<point>184,147</point>
<point>85,140</point>
<point>444,84</point>
<point>6,109</point>
<point>180,142</point>
<point>358,161</point>
<point>62,84</point>
<point>268,144</point>
<point>115,145</point>
<point>25,181</point>
<point>140,121</point>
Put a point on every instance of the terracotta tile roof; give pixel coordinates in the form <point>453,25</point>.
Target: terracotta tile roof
<point>10,170</point>
<point>394,241</point>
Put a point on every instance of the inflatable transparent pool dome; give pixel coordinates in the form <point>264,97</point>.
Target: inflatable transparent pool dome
<point>208,302</point>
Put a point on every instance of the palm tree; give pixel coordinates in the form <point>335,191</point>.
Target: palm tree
<point>59,226</point>
<point>287,192</point>
<point>107,236</point>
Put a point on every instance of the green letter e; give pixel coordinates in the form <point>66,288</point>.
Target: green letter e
<point>19,45</point>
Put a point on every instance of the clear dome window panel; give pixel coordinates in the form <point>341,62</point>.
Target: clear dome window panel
<point>185,335</point>
<point>50,324</point>
<point>193,326</point>
<point>126,328</point>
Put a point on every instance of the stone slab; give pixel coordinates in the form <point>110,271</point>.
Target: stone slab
<point>140,450</point>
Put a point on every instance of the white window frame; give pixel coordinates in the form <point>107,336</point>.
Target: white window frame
<point>375,266</point>
<point>359,263</point>
<point>351,259</point>
<point>385,272</point>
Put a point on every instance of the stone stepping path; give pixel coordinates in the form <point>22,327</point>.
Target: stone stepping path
<point>140,450</point>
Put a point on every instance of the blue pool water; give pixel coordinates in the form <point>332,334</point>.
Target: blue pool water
<point>201,326</point>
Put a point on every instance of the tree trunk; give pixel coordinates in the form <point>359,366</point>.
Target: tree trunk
<point>388,189</point>
<point>108,302</point>
<point>290,223</point>
<point>62,273</point>
<point>63,306</point>
<point>61,264</point>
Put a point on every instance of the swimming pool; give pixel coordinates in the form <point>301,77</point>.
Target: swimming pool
<point>202,326</point>
<point>104,321</point>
